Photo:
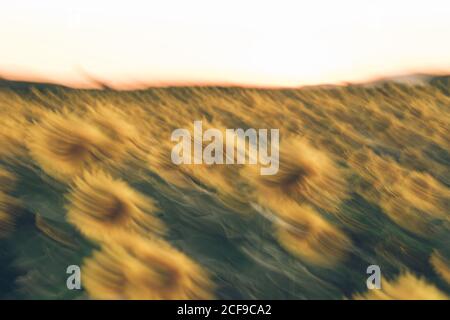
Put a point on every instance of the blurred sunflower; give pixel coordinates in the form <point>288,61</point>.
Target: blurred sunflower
<point>305,174</point>
<point>417,202</point>
<point>63,145</point>
<point>116,124</point>
<point>131,267</point>
<point>305,234</point>
<point>405,287</point>
<point>8,211</point>
<point>441,265</point>
<point>100,206</point>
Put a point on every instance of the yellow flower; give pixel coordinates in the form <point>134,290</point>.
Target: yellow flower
<point>63,145</point>
<point>131,267</point>
<point>8,211</point>
<point>305,234</point>
<point>441,265</point>
<point>100,206</point>
<point>305,175</point>
<point>405,287</point>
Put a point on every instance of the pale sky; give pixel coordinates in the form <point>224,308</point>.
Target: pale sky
<point>253,42</point>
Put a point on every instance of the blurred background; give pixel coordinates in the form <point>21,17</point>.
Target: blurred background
<point>90,93</point>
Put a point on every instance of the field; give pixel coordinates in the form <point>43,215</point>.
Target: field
<point>86,179</point>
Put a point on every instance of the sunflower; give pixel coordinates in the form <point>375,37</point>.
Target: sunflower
<point>441,265</point>
<point>63,145</point>
<point>115,124</point>
<point>405,287</point>
<point>305,234</point>
<point>8,212</point>
<point>99,206</point>
<point>305,175</point>
<point>416,201</point>
<point>131,267</point>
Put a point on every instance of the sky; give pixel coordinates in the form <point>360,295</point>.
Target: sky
<point>240,42</point>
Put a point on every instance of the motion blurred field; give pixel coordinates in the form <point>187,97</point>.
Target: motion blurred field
<point>86,178</point>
